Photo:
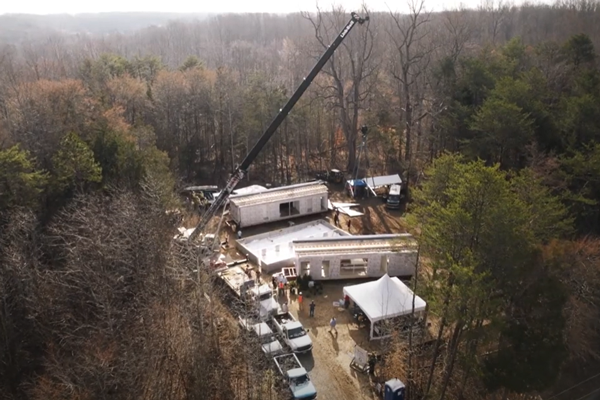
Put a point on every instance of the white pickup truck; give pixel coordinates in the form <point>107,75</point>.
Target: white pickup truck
<point>268,341</point>
<point>296,377</point>
<point>246,289</point>
<point>293,333</point>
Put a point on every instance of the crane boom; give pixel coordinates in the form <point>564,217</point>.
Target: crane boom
<point>242,169</point>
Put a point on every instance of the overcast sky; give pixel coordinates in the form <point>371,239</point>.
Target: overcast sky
<point>207,6</point>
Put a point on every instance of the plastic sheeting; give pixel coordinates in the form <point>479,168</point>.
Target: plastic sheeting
<point>378,181</point>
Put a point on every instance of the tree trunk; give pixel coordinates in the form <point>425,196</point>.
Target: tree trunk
<point>453,350</point>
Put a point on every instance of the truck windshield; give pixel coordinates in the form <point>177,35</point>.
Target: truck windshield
<point>300,380</point>
<point>296,333</point>
<point>265,296</point>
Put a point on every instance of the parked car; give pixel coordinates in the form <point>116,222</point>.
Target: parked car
<point>332,176</point>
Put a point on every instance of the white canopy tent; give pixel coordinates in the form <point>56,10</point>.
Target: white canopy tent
<point>384,298</point>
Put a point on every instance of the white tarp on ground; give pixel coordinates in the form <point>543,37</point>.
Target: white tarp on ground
<point>384,298</point>
<point>375,182</point>
<point>350,213</point>
<point>344,208</point>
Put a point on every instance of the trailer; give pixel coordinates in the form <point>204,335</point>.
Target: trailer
<point>246,289</point>
<point>293,333</point>
<point>296,377</point>
<point>278,204</point>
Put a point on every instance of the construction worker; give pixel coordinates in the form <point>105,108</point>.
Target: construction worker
<point>332,325</point>
<point>196,201</point>
<point>312,308</point>
<point>336,217</point>
<point>203,201</point>
<point>300,301</point>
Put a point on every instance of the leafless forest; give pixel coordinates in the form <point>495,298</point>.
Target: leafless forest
<point>98,130</point>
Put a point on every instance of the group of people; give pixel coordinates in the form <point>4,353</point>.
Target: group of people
<point>336,219</point>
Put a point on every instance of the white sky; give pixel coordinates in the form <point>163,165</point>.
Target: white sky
<point>208,6</point>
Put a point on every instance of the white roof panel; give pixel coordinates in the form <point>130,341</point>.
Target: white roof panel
<point>384,298</point>
<point>289,193</point>
<point>378,181</point>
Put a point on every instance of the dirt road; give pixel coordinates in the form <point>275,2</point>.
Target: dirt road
<point>329,364</point>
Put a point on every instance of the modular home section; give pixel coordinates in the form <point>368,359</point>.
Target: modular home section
<point>278,204</point>
<point>274,250</point>
<point>347,257</point>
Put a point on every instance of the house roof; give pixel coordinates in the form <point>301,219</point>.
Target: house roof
<point>289,193</point>
<point>356,244</point>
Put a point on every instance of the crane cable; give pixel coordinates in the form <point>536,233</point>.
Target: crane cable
<point>574,386</point>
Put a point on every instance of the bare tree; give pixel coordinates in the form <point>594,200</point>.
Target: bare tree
<point>351,70</point>
<point>409,35</point>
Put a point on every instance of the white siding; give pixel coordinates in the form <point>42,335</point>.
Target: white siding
<point>257,214</point>
<point>400,264</point>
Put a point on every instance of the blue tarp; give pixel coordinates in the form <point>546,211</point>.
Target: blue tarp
<point>357,183</point>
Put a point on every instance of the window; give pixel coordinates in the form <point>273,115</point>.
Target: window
<point>325,269</point>
<point>287,209</point>
<point>354,267</point>
<point>304,268</point>
<point>384,264</point>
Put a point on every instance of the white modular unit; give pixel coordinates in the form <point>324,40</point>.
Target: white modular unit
<point>348,257</point>
<point>274,250</point>
<point>279,204</point>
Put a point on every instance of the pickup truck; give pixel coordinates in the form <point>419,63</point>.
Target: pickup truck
<point>293,333</point>
<point>268,341</point>
<point>247,290</point>
<point>296,377</point>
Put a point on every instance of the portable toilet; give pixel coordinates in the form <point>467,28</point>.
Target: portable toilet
<point>394,390</point>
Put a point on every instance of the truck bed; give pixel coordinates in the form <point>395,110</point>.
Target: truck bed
<point>236,278</point>
<point>282,319</point>
<point>287,362</point>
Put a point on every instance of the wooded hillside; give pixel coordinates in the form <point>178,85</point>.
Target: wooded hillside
<point>490,116</point>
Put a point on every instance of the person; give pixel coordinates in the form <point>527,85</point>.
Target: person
<point>239,234</point>
<point>336,217</point>
<point>312,308</point>
<point>346,301</point>
<point>300,301</point>
<point>202,200</point>
<point>372,362</point>
<point>349,224</point>
<point>281,289</point>
<point>332,325</point>
<point>249,271</point>
<point>196,201</point>
<point>284,307</point>
<point>274,282</point>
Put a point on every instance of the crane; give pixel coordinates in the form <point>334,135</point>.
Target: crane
<point>242,169</point>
